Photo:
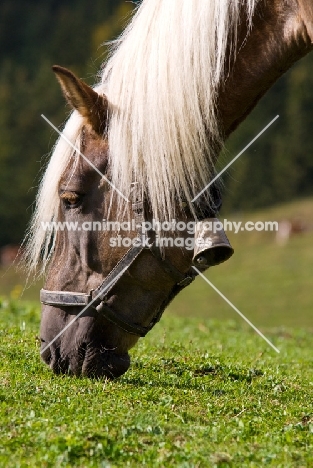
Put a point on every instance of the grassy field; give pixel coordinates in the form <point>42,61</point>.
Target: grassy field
<point>200,393</point>
<point>203,390</point>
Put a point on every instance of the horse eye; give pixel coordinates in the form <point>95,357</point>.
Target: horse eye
<point>71,199</point>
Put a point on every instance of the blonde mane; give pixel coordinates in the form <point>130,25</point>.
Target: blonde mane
<point>161,81</point>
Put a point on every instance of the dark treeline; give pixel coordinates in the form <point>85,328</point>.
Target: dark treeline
<point>35,35</point>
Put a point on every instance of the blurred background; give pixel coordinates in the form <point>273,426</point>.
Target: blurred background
<point>269,278</point>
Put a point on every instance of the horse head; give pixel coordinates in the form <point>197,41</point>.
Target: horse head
<point>101,295</point>
<point>170,105</point>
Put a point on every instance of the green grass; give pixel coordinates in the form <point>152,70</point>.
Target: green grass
<point>198,394</point>
<point>203,390</point>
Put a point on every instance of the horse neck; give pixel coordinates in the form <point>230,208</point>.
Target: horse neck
<point>278,39</point>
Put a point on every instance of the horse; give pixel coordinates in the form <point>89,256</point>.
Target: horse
<point>141,145</point>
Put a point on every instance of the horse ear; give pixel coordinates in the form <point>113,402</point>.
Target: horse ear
<point>84,99</point>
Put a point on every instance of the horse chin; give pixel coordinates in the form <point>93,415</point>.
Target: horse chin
<point>105,363</point>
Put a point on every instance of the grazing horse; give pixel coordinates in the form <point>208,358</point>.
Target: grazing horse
<point>141,145</point>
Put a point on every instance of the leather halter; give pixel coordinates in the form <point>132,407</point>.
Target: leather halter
<point>97,298</point>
